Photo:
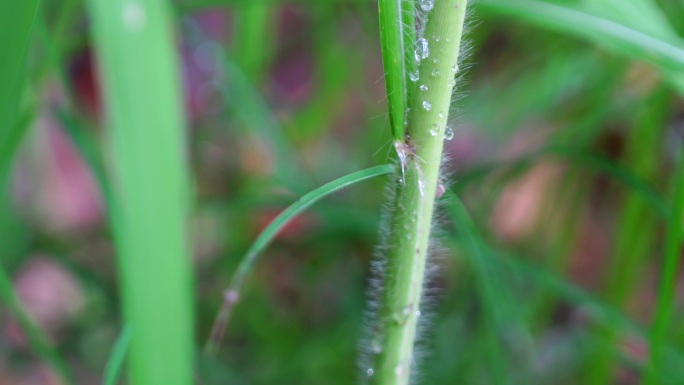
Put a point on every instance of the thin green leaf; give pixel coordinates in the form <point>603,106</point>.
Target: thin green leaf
<point>267,235</point>
<point>395,36</point>
<point>116,358</point>
<point>36,337</point>
<point>139,71</point>
<point>667,55</point>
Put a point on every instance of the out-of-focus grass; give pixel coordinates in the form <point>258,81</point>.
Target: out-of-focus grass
<point>143,106</point>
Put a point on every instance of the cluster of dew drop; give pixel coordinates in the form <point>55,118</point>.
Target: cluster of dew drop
<point>421,53</point>
<point>406,151</point>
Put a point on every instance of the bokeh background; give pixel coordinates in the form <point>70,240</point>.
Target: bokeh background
<point>566,153</point>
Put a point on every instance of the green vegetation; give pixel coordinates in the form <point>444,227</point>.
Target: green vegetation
<point>165,161</point>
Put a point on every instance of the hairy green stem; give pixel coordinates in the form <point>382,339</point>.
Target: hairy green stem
<point>412,212</point>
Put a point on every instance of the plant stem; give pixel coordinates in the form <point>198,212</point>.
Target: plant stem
<point>411,217</point>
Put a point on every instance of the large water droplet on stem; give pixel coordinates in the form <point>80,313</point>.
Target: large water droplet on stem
<point>427,5</point>
<point>422,49</point>
<point>414,76</point>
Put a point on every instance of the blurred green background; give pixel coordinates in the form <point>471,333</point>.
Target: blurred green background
<point>567,150</point>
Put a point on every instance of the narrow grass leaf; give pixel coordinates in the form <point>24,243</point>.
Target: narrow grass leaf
<point>668,55</point>
<point>393,44</point>
<point>36,337</point>
<point>267,235</point>
<point>117,357</point>
<point>138,68</point>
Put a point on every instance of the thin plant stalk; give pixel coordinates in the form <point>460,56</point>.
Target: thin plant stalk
<point>412,211</point>
<point>138,67</point>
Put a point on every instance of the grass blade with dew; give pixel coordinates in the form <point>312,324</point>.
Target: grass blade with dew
<point>411,215</point>
<point>266,236</point>
<point>397,33</point>
<point>36,337</point>
<point>138,68</point>
<point>117,357</point>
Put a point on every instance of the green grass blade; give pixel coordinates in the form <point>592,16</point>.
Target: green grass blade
<point>518,268</point>
<point>16,22</point>
<point>254,28</point>
<point>37,339</point>
<point>393,38</point>
<point>139,72</point>
<point>494,296</point>
<point>250,109</point>
<point>269,233</point>
<point>116,358</point>
<point>668,280</point>
<point>665,54</point>
<point>87,145</point>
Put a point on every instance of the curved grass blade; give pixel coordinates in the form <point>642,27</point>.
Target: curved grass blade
<point>116,359</point>
<point>267,235</point>
<point>36,338</point>
<point>667,55</point>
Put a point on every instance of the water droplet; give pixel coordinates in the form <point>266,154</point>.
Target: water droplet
<point>454,69</point>
<point>375,347</point>
<point>422,49</point>
<point>401,316</point>
<point>449,133</point>
<point>370,372</point>
<point>421,188</point>
<point>414,76</point>
<point>435,72</point>
<point>435,61</point>
<point>426,105</point>
<point>437,38</point>
<point>452,82</point>
<point>427,5</point>
<point>434,130</point>
<point>423,87</point>
<point>418,313</point>
<point>441,114</point>
<point>400,180</point>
